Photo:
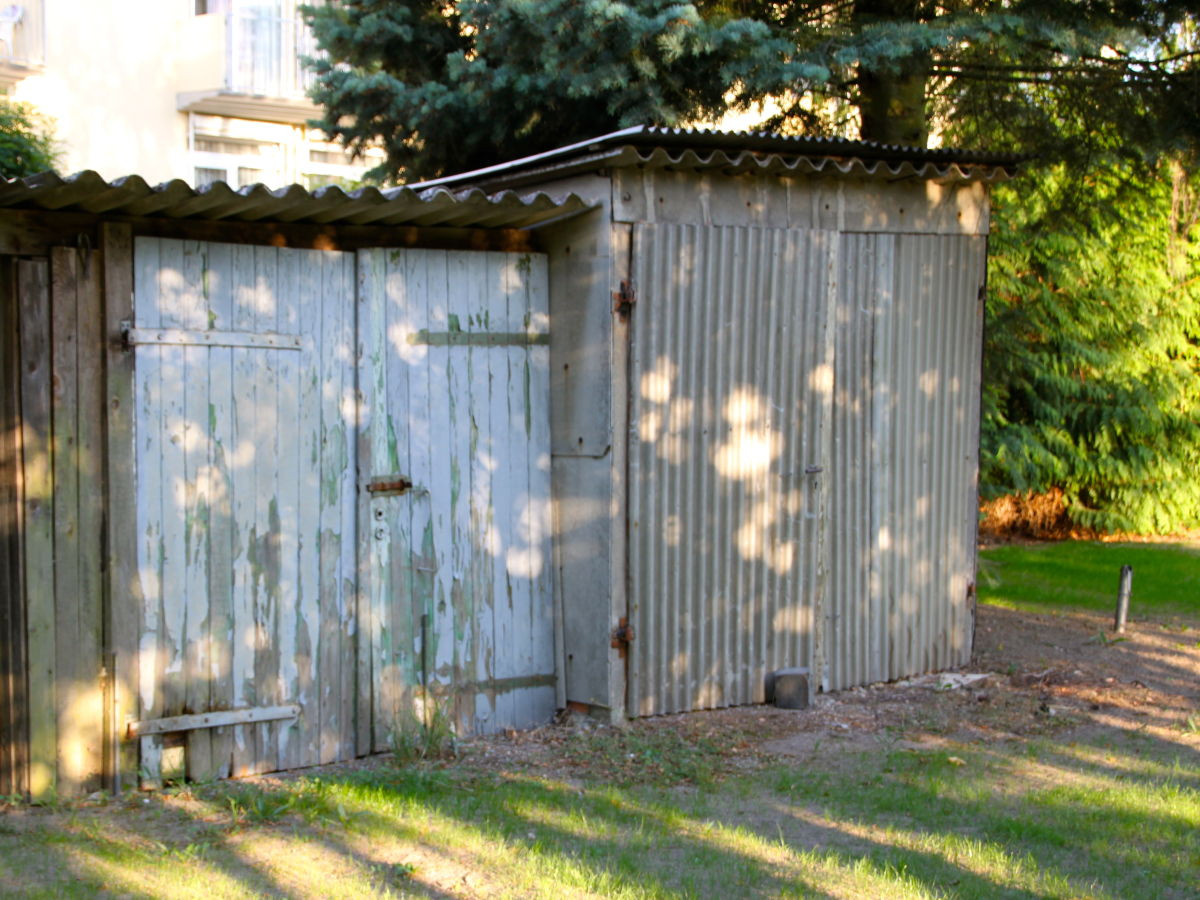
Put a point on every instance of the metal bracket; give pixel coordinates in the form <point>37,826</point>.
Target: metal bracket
<point>622,635</point>
<point>624,299</point>
<point>391,484</point>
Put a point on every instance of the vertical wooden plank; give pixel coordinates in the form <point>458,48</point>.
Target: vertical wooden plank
<point>375,671</point>
<point>175,628</point>
<point>334,464</point>
<point>149,490</point>
<point>441,657</point>
<point>287,295</point>
<point>308,601</point>
<point>480,457</point>
<point>14,710</point>
<point>536,290</point>
<point>124,587</point>
<point>245,400</point>
<point>265,538</point>
<point>218,279</point>
<point>509,484</point>
<point>463,290</point>
<point>37,475</point>
<point>197,458</point>
<point>404,311</point>
<point>346,282</point>
<point>513,435</point>
<point>422,557</point>
<point>70,694</point>
<point>91,717</point>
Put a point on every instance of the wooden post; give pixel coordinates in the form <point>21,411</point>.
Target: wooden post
<point>122,594</point>
<point>1123,594</point>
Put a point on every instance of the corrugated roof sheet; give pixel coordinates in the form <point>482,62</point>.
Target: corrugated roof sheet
<point>740,152</point>
<point>433,206</point>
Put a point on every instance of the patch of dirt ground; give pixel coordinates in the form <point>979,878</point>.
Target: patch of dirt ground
<point>1030,675</point>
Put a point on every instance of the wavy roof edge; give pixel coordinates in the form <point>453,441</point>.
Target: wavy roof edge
<point>739,152</point>
<point>133,196</point>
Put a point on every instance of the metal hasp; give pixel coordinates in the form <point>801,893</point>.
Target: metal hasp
<point>624,299</point>
<point>389,485</point>
<point>622,635</point>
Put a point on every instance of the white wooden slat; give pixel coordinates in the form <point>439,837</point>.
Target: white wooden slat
<point>333,465</point>
<point>423,562</point>
<point>288,613</point>
<point>308,605</point>
<point>265,536</point>
<point>541,620</point>
<point>348,404</point>
<point>193,313</point>
<point>245,399</point>
<point>441,657</point>
<point>504,492</point>
<point>219,281</point>
<point>148,399</point>
<point>406,365</point>
<point>480,461</point>
<point>512,436</point>
<point>465,593</point>
<point>373,565</point>
<point>173,636</point>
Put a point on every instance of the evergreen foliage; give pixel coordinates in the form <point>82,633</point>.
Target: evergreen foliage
<point>454,86</point>
<point>26,146</point>
<point>1092,360</point>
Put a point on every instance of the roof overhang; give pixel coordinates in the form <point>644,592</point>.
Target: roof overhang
<point>87,192</point>
<point>758,153</point>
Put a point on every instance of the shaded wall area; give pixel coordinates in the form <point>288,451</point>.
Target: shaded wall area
<point>14,720</point>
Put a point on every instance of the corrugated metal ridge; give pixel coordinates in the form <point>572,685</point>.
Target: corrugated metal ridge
<point>779,164</point>
<point>743,151</point>
<point>132,196</point>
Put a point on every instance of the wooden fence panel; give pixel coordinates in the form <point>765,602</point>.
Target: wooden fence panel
<point>245,419</point>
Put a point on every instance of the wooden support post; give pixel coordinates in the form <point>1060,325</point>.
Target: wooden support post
<point>33,295</point>
<point>123,593</point>
<point>1123,594</point>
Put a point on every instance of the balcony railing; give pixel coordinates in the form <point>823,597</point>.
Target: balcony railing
<point>263,54</point>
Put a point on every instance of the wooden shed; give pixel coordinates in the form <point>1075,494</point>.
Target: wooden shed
<point>275,472</point>
<point>628,426</point>
<point>765,378</point>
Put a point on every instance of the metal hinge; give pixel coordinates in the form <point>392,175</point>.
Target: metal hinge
<point>624,299</point>
<point>622,635</point>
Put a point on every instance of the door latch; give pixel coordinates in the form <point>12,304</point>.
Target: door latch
<point>391,484</point>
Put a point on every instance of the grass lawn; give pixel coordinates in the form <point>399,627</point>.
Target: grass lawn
<point>1081,788</point>
<point>1084,575</point>
<point>1118,816</point>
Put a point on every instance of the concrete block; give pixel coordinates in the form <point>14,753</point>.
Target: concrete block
<point>788,688</point>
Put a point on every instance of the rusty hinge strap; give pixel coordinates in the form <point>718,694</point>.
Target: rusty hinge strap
<point>624,299</point>
<point>622,635</point>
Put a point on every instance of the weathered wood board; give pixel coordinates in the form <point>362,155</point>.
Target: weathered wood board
<point>456,397</point>
<point>245,498</point>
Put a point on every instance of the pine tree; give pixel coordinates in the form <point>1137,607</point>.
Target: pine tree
<point>455,86</point>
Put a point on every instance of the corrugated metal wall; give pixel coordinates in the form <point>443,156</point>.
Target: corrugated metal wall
<point>732,391</point>
<point>908,331</point>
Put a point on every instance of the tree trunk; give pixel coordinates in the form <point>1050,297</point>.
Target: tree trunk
<point>891,100</point>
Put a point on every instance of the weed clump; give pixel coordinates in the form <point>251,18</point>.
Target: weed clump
<point>424,736</point>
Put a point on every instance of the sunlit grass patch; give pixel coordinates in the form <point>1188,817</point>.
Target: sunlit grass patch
<point>1084,575</point>
<point>1107,818</point>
